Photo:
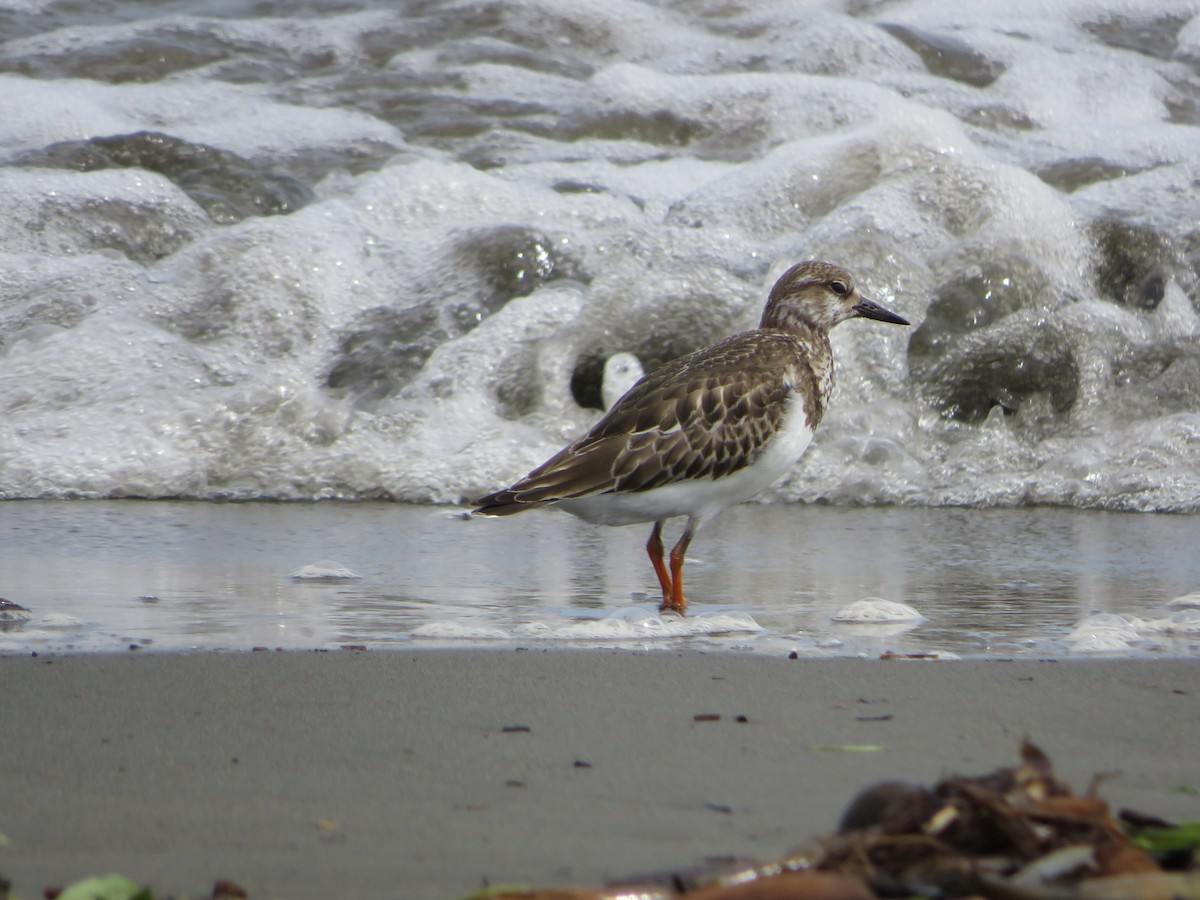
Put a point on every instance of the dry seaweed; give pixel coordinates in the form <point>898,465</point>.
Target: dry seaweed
<point>1017,833</point>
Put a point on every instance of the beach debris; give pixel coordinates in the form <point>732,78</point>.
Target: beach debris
<point>101,887</point>
<point>1017,833</point>
<point>224,889</point>
<point>1162,839</point>
<point>330,831</point>
<point>118,887</point>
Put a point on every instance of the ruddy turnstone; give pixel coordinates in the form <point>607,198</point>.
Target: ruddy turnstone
<point>706,430</point>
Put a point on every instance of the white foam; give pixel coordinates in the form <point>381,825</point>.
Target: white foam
<point>621,372</point>
<point>83,213</point>
<point>13,615</point>
<point>1104,633</point>
<point>679,164</point>
<point>244,119</point>
<point>324,571</point>
<point>877,611</point>
<point>1186,601</point>
<point>622,626</point>
<point>461,631</point>
<point>1181,623</point>
<point>58,620</point>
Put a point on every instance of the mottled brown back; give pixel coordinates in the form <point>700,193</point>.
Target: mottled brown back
<point>705,415</point>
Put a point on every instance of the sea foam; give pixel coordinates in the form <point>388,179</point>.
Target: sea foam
<point>496,205</point>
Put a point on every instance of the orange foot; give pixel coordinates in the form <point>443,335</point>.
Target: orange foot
<point>671,581</point>
<point>670,604</point>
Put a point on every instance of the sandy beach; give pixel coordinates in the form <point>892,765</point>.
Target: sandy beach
<point>427,774</point>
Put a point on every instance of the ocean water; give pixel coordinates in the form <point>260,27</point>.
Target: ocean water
<point>772,579</point>
<point>361,251</point>
<point>343,249</point>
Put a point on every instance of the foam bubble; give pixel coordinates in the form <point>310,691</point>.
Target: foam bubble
<point>59,620</point>
<point>1186,601</point>
<point>324,571</point>
<point>877,611</point>
<point>621,372</point>
<point>1182,622</point>
<point>13,615</point>
<point>1104,633</point>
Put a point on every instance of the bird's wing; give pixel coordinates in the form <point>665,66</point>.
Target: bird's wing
<point>701,416</point>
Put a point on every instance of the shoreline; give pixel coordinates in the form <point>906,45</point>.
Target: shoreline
<point>181,577</point>
<point>423,774</point>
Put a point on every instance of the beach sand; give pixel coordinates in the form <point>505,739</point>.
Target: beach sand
<point>426,774</point>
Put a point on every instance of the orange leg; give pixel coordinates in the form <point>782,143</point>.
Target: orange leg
<point>654,549</point>
<point>678,603</point>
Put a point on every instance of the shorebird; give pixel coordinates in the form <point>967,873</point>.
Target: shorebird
<point>706,430</point>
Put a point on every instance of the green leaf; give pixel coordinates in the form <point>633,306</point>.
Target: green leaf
<point>106,887</point>
<point>497,890</point>
<point>1185,836</point>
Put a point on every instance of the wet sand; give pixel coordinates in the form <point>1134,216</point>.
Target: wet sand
<point>421,775</point>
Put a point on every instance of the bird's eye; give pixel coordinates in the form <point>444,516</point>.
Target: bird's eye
<point>838,287</point>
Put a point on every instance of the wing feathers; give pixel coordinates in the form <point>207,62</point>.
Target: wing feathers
<point>701,416</point>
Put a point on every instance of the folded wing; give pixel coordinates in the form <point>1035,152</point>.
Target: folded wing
<point>701,416</point>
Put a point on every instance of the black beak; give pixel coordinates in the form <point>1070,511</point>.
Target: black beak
<point>869,309</point>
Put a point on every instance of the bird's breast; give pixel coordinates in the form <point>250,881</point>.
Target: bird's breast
<point>793,436</point>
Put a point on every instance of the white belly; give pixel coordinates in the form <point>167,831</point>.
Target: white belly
<point>706,497</point>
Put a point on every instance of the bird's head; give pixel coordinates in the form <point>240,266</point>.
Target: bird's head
<point>819,294</point>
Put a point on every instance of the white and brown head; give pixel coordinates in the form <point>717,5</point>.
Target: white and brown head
<point>819,295</point>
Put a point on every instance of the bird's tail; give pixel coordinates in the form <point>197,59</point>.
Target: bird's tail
<point>504,503</point>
